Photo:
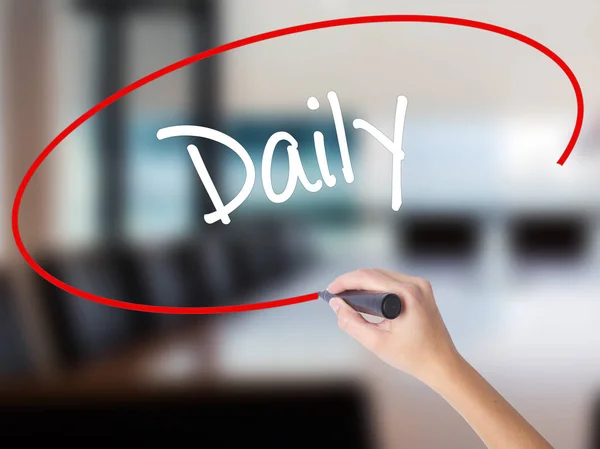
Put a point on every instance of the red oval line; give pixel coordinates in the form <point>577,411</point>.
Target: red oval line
<point>231,46</point>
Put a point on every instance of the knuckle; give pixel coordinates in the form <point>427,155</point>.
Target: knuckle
<point>425,285</point>
<point>413,292</point>
<point>364,272</point>
<point>337,280</point>
<point>413,289</point>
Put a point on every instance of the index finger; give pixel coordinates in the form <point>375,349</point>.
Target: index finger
<point>402,277</point>
<point>363,279</point>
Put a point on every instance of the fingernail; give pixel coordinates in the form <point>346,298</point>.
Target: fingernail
<point>335,304</point>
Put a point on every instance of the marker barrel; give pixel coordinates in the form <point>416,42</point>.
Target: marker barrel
<point>384,305</point>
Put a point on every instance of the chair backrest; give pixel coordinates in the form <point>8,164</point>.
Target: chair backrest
<point>248,254</point>
<point>15,357</point>
<point>452,236</point>
<point>264,249</point>
<point>288,244</point>
<point>207,270</point>
<point>86,329</point>
<point>548,237</point>
<point>151,276</point>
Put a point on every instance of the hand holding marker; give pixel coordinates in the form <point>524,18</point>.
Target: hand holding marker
<point>413,338</point>
<point>384,305</point>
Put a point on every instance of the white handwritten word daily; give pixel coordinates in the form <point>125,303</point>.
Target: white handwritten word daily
<point>296,170</point>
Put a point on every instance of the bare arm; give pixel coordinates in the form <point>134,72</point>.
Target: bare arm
<point>496,422</point>
<point>418,343</point>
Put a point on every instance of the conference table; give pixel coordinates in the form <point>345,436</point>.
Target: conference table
<point>536,342</point>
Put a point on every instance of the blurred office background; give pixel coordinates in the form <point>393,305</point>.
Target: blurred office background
<point>509,239</point>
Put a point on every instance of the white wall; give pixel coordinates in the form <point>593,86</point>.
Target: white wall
<point>441,67</point>
<point>468,63</point>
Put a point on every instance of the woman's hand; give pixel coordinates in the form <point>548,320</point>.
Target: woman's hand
<point>416,342</point>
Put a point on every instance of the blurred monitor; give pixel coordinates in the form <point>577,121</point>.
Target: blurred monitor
<point>446,236</point>
<point>549,236</point>
<point>269,417</point>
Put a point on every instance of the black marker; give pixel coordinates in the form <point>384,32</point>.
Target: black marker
<point>384,305</point>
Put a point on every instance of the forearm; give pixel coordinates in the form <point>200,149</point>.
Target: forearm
<point>496,422</point>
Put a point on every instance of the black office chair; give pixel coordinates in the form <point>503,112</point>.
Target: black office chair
<point>550,237</point>
<point>285,243</point>
<point>444,236</point>
<point>293,237</point>
<point>86,330</point>
<point>263,250</point>
<point>207,270</point>
<point>151,276</point>
<point>15,358</point>
<point>250,253</point>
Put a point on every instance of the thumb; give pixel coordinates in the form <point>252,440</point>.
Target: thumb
<point>353,323</point>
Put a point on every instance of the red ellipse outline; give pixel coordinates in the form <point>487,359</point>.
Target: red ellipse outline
<point>231,46</point>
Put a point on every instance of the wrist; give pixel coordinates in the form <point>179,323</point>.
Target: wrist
<point>445,370</point>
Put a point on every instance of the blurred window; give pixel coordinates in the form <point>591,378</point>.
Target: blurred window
<point>160,183</point>
<point>161,178</point>
<point>327,204</point>
<point>161,195</point>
